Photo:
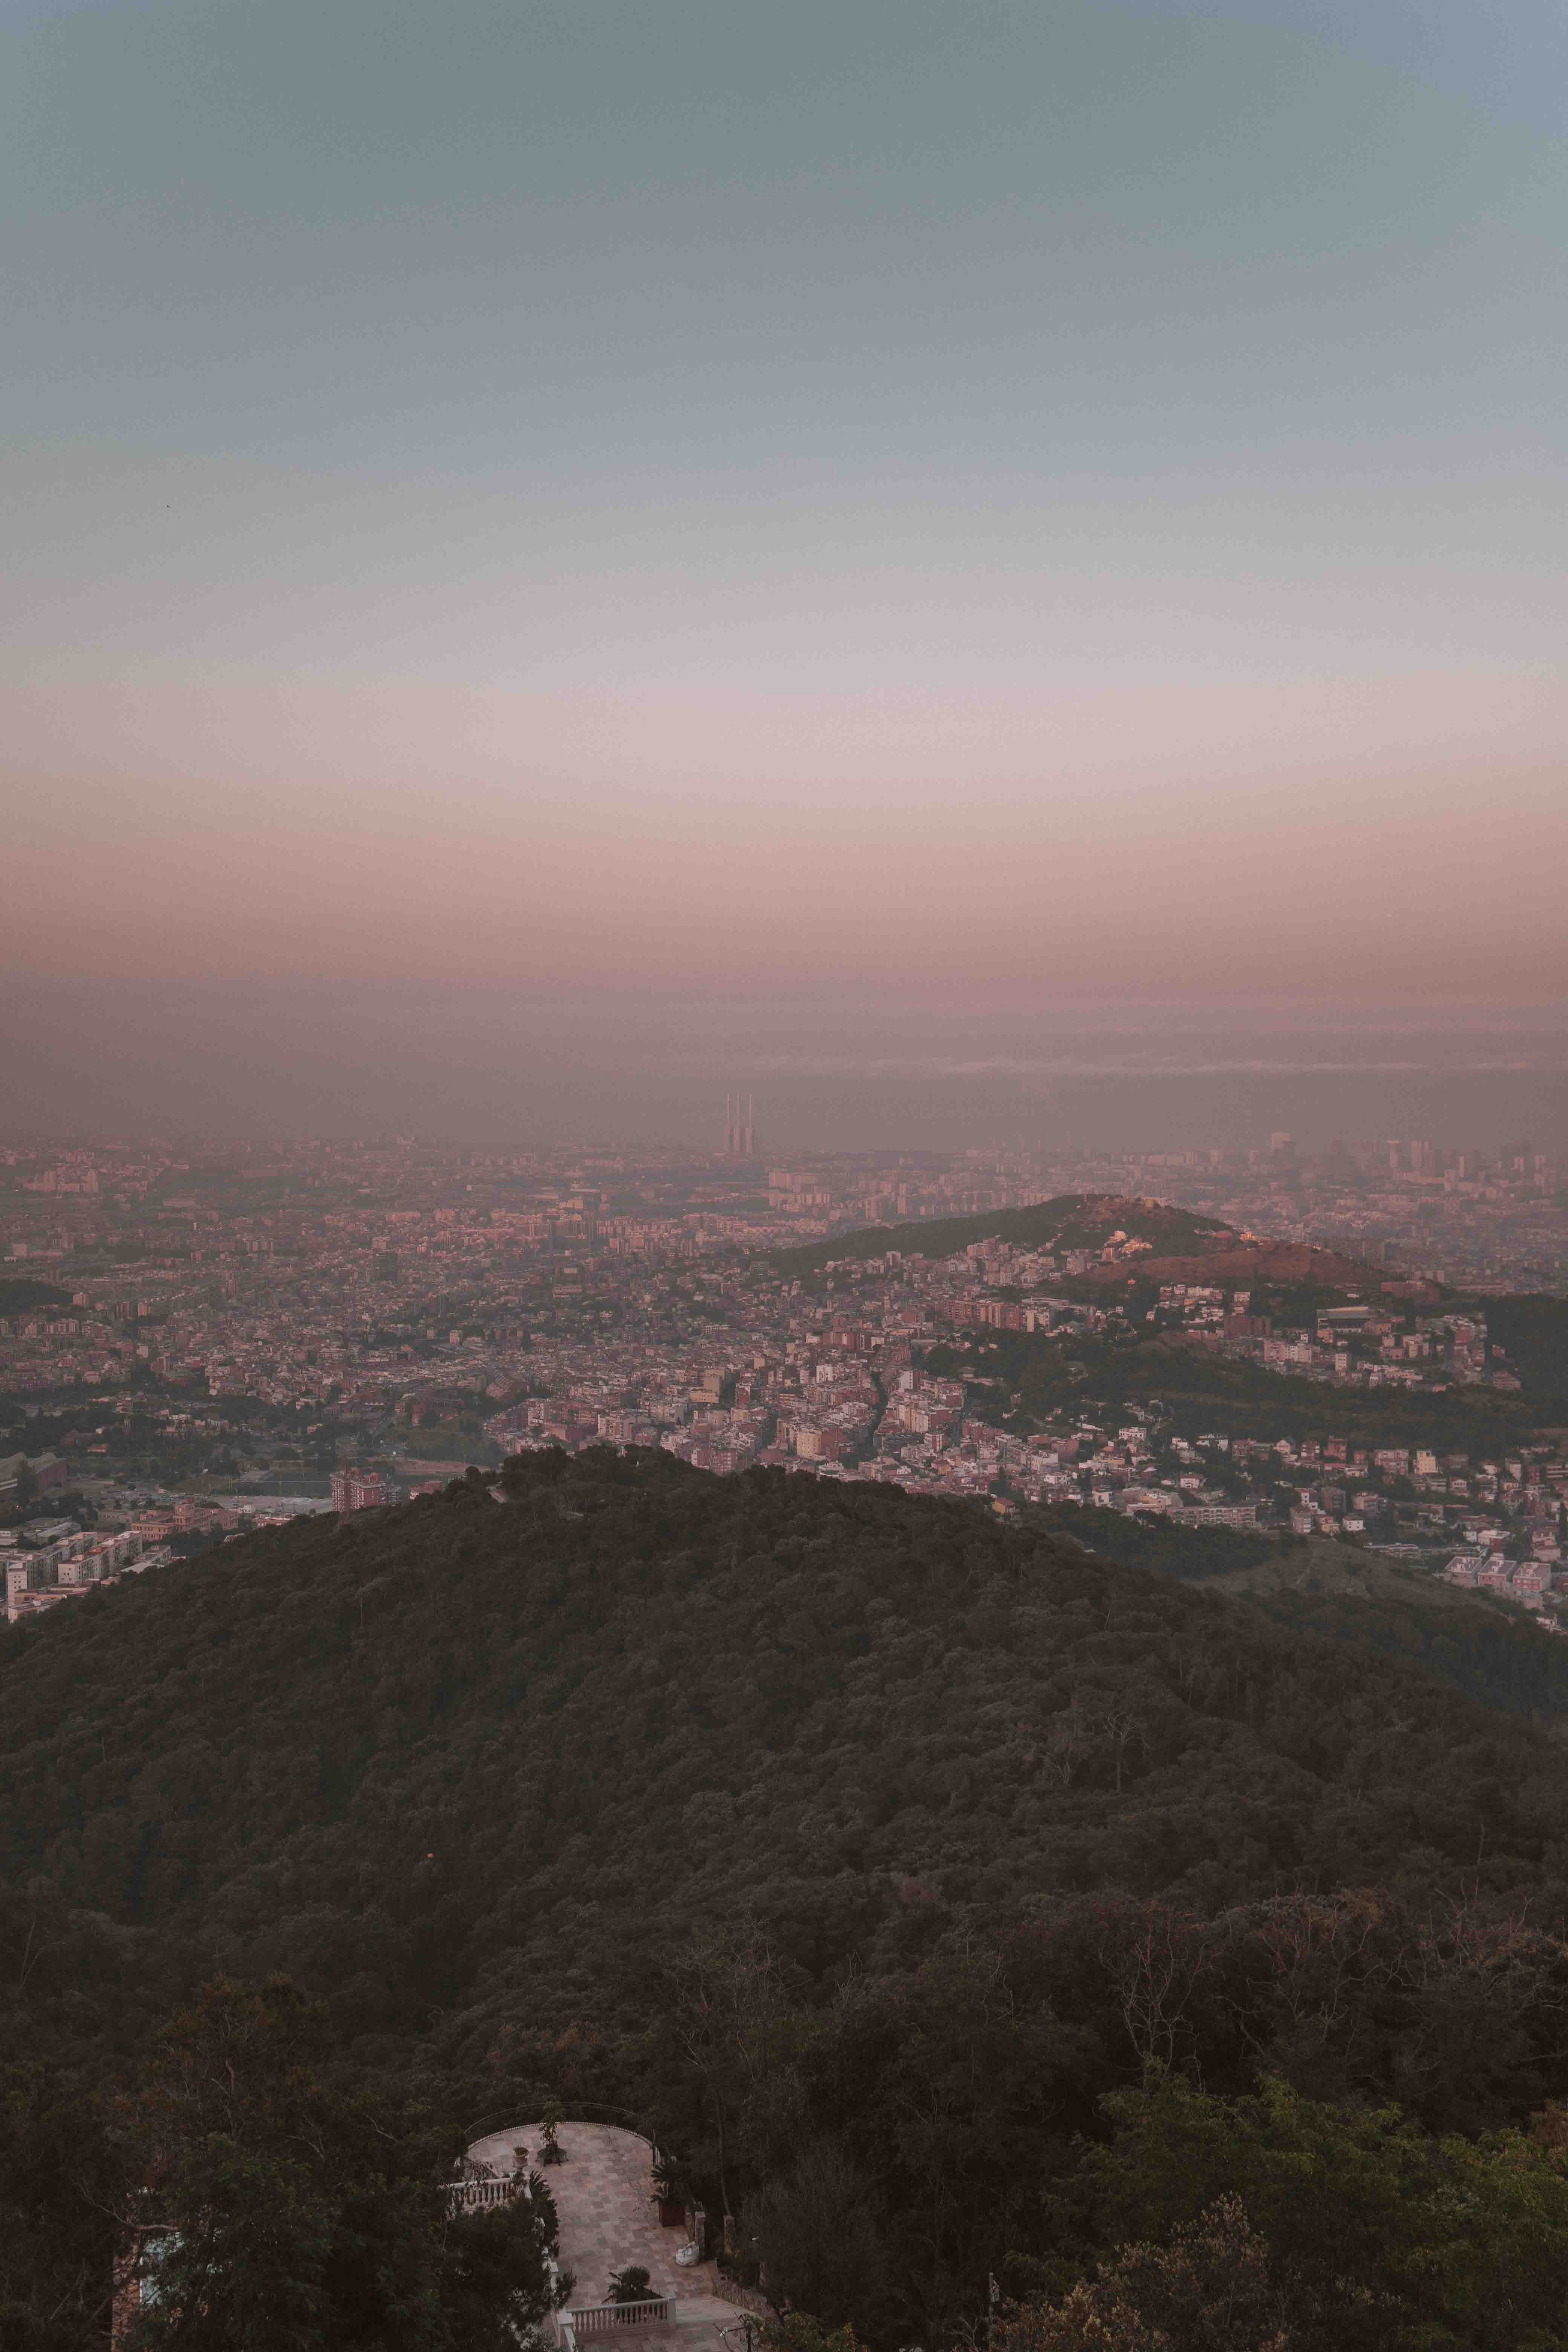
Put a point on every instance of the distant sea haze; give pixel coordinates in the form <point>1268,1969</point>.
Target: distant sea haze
<point>849,1069</point>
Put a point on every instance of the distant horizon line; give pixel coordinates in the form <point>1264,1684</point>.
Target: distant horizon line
<point>763,983</point>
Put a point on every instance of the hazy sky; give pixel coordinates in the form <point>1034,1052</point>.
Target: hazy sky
<point>1002,490</point>
<point>833,1064</point>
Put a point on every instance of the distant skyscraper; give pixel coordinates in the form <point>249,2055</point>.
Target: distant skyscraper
<point>740,1134</point>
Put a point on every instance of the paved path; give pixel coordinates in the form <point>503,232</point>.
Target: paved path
<point>604,2195</point>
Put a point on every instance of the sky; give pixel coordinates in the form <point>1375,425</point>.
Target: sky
<point>648,497</point>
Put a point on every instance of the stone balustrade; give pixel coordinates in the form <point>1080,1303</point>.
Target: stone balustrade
<point>598,2318</point>
<point>469,2196</point>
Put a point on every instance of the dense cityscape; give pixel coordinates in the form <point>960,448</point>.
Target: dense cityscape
<point>197,1341</point>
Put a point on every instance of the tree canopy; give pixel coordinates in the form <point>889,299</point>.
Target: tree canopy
<point>851,1837</point>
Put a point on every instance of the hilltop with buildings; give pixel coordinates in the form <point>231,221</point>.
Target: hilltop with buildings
<point>1084,1229</point>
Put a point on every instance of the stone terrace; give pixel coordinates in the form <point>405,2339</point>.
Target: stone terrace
<point>604,2195</point>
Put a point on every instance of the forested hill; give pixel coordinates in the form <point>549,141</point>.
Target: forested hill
<point>393,1755</point>
<point>1533,1330</point>
<point>1473,1641</point>
<point>864,1842</point>
<point>1070,1221</point>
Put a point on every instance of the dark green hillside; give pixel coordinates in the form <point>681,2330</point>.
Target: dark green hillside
<point>1195,1554</point>
<point>382,1755</point>
<point>1072,1221</point>
<point>851,1835</point>
<point>1474,1642</point>
<point>452,1697</point>
<point>1533,1333</point>
<point>1202,1390</point>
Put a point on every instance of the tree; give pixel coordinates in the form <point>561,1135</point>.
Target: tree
<point>726,2008</point>
<point>280,2210</point>
<point>815,2230</point>
<point>797,2331</point>
<point>57,2196</point>
<point>1210,2290</point>
<point>1377,2234</point>
<point>494,2290</point>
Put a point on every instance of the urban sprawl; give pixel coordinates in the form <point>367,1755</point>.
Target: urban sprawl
<point>198,1341</point>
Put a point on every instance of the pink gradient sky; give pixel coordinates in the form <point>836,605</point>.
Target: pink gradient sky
<point>810,836</point>
<point>1048,495</point>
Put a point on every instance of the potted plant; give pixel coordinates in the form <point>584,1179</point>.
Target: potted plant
<point>631,2284</point>
<point>550,2148</point>
<point>670,2200</point>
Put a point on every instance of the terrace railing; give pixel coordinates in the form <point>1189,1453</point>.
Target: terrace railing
<point>469,2196</point>
<point>599,2318</point>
